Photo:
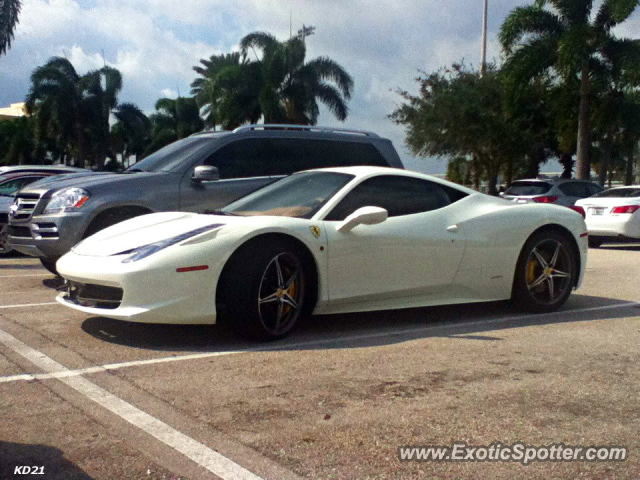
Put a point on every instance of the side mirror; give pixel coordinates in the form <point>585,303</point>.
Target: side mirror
<point>205,173</point>
<point>363,216</point>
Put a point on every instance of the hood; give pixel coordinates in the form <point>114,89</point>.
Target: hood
<point>144,230</point>
<point>83,180</point>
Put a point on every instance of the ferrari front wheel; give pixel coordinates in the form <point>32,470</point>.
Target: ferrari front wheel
<point>272,300</point>
<point>546,272</point>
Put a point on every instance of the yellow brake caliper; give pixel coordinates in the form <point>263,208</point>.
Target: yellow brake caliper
<point>531,271</point>
<point>292,293</point>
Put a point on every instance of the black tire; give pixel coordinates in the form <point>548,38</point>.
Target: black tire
<point>273,317</point>
<point>595,242</point>
<point>541,289</point>
<point>4,239</point>
<point>50,264</point>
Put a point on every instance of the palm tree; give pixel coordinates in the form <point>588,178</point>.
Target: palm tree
<point>174,119</point>
<point>565,40</point>
<point>9,11</point>
<point>290,89</point>
<point>75,109</point>
<point>56,98</point>
<point>227,90</point>
<point>130,134</point>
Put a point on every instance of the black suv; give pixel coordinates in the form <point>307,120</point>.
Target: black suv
<point>201,173</point>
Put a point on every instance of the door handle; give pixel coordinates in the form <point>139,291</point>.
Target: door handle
<point>453,228</point>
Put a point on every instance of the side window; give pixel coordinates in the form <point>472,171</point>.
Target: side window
<point>398,195</point>
<point>289,156</point>
<point>243,158</point>
<point>572,189</point>
<point>12,186</point>
<point>325,153</point>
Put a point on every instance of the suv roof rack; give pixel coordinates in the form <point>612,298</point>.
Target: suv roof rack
<point>305,128</point>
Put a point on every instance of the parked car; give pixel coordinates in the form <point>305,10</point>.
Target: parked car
<point>12,179</point>
<point>613,215</point>
<point>198,174</point>
<point>558,191</point>
<point>328,241</point>
<point>39,168</point>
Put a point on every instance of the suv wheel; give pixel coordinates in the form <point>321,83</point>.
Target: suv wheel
<point>50,264</point>
<point>4,239</point>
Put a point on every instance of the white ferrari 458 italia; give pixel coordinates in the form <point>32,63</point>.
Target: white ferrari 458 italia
<point>328,241</point>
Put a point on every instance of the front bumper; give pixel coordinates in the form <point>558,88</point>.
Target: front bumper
<point>152,289</point>
<point>49,236</point>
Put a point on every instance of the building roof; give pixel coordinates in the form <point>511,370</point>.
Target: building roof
<point>15,110</point>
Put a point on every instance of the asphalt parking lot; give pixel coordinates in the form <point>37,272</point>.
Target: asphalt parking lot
<point>88,397</point>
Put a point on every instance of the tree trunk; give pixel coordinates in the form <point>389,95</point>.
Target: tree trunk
<point>492,179</point>
<point>508,178</point>
<point>567,163</point>
<point>583,167</point>
<point>475,172</point>
<point>628,178</point>
<point>606,157</point>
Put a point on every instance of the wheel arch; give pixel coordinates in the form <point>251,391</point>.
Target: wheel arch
<point>286,239</point>
<point>136,210</point>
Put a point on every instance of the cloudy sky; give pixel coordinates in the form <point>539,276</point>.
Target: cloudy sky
<point>155,43</point>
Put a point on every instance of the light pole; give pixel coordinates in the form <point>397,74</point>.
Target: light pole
<point>483,61</point>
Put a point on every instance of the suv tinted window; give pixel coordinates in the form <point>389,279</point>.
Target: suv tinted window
<point>244,158</point>
<point>293,155</point>
<point>398,195</point>
<point>578,189</point>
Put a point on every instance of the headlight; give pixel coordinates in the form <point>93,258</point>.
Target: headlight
<point>67,200</point>
<point>146,250</point>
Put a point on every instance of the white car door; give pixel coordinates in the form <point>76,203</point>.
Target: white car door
<point>415,252</point>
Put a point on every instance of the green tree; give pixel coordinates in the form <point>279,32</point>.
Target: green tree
<point>174,119</point>
<point>75,111</point>
<point>227,90</point>
<point>291,88</point>
<point>460,113</point>
<point>565,42</point>
<point>9,11</point>
<point>17,142</point>
<point>129,135</point>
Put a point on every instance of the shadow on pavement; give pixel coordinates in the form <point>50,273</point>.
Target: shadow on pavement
<point>465,322</point>
<point>14,455</point>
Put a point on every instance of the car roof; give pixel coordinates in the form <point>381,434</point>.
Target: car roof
<point>365,171</point>
<point>13,175</point>
<point>293,130</point>
<point>554,181</point>
<point>39,168</point>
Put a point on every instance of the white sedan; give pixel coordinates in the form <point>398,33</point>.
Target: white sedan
<point>612,215</point>
<point>328,241</point>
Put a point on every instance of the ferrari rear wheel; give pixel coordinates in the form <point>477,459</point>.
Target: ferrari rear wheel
<point>545,274</point>
<point>272,300</point>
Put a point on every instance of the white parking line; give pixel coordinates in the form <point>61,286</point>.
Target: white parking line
<point>192,449</point>
<point>29,305</point>
<point>365,336</point>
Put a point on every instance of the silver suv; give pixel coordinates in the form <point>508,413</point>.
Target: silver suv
<point>198,174</point>
<point>563,191</point>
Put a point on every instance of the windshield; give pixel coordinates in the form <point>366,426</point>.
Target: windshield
<point>168,157</point>
<point>300,195</point>
<point>620,193</point>
<point>528,188</point>
<point>10,187</point>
